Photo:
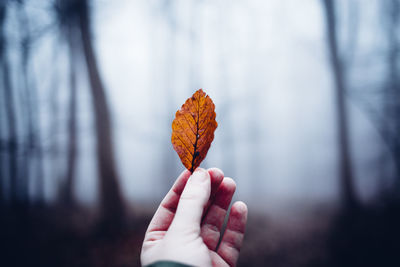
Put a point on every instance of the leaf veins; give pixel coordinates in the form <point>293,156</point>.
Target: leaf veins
<point>193,129</point>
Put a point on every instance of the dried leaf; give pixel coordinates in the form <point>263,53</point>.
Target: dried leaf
<point>193,129</point>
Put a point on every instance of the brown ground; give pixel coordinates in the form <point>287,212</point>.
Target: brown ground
<point>317,237</point>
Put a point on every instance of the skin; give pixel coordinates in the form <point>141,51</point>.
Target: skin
<point>187,225</point>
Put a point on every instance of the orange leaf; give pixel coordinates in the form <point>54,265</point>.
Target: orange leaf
<point>193,129</point>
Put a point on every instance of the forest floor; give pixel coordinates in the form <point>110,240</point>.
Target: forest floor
<point>322,236</point>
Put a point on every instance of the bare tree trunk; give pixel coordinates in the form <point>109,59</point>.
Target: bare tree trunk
<point>110,196</point>
<point>36,139</point>
<point>391,125</point>
<point>345,167</point>
<point>67,190</point>
<point>29,144</point>
<point>3,142</point>
<point>33,154</point>
<point>54,128</point>
<point>11,143</point>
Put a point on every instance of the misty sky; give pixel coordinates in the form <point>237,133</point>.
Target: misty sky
<point>264,64</point>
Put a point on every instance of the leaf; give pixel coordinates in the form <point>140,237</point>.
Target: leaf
<point>193,129</point>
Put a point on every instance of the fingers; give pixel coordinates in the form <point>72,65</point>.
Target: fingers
<point>192,202</point>
<point>166,211</point>
<point>216,260</point>
<point>213,220</point>
<point>233,235</point>
<point>216,179</point>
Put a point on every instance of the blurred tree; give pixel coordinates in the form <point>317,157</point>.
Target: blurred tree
<point>75,14</point>
<point>111,199</point>
<point>11,116</point>
<point>72,123</point>
<point>55,122</point>
<point>32,156</point>
<point>71,34</point>
<point>391,105</point>
<point>3,143</point>
<point>339,75</point>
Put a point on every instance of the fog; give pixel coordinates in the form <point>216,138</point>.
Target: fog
<point>269,67</point>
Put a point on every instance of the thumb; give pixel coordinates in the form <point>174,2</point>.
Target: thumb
<point>193,200</point>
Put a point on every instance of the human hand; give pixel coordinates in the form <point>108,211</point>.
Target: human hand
<point>187,225</point>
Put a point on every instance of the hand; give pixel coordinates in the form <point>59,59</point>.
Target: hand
<point>187,225</point>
